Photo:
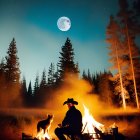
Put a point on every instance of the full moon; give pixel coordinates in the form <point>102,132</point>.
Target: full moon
<point>64,23</point>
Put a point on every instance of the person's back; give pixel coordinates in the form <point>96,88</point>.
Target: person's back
<point>72,123</point>
<point>73,119</point>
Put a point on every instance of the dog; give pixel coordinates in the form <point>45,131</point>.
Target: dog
<point>45,124</point>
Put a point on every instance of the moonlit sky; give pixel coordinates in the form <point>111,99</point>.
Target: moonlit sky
<point>33,23</point>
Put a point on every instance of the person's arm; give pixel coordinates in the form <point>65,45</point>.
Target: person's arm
<point>65,122</point>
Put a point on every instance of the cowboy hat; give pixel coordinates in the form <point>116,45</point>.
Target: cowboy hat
<point>70,100</point>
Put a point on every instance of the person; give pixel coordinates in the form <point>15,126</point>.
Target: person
<point>72,122</point>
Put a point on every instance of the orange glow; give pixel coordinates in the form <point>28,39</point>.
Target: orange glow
<point>42,136</point>
<point>89,123</point>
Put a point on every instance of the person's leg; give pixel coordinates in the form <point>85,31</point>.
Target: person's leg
<point>59,132</point>
<point>76,135</point>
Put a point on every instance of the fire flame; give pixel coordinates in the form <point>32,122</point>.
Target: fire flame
<point>89,123</point>
<point>43,136</point>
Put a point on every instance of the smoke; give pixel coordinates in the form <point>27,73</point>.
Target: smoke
<point>10,97</point>
<point>79,90</point>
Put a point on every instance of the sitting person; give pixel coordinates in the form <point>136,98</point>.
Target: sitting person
<point>72,123</point>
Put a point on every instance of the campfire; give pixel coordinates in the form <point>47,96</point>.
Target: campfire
<point>90,125</point>
<point>43,136</point>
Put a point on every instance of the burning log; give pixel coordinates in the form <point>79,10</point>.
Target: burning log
<point>99,133</point>
<point>27,137</point>
<point>114,129</point>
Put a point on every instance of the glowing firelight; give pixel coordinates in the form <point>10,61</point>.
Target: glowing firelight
<point>89,123</point>
<point>42,136</point>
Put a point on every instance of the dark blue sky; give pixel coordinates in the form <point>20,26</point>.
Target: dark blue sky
<point>33,23</point>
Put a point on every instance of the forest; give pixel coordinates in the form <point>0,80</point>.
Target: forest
<point>119,86</point>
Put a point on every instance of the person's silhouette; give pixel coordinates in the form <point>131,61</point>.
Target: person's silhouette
<point>72,123</point>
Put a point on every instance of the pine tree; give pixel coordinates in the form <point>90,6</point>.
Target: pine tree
<point>36,85</point>
<point>57,76</point>
<point>23,91</point>
<point>66,63</point>
<point>36,92</point>
<point>29,97</point>
<point>30,91</point>
<point>2,82</point>
<point>12,76</point>
<point>95,80</point>
<point>51,75</point>
<point>43,83</point>
<point>12,64</point>
<point>2,75</point>
<point>43,90</point>
<point>84,75</point>
<point>104,89</point>
<point>87,77</point>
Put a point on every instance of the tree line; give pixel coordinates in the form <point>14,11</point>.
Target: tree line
<point>119,86</point>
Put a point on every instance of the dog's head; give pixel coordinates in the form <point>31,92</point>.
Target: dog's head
<point>50,117</point>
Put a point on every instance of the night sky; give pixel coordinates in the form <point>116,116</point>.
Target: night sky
<point>33,23</point>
